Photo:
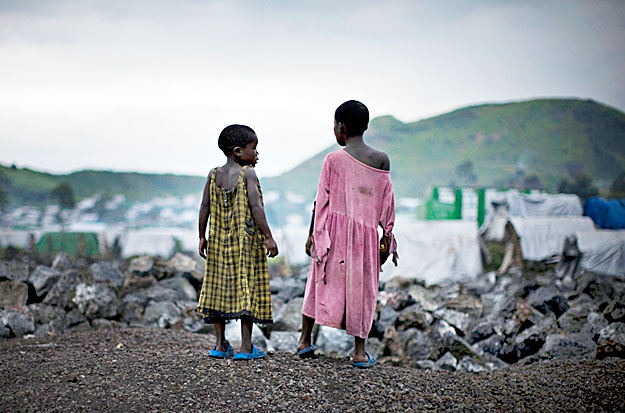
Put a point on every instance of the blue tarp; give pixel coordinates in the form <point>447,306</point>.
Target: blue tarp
<point>606,213</point>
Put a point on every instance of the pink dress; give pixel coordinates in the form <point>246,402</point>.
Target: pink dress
<point>352,200</point>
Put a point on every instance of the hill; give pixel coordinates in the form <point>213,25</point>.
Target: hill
<point>534,143</point>
<point>25,186</point>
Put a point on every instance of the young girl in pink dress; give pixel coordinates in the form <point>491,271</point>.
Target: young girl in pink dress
<point>354,196</point>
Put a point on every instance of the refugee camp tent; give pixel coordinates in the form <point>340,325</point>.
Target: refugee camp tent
<point>148,241</point>
<point>74,243</point>
<point>515,204</point>
<point>435,251</point>
<point>602,251</point>
<point>540,238</point>
<point>606,213</point>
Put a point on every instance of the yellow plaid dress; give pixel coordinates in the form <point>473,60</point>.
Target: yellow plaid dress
<point>236,280</point>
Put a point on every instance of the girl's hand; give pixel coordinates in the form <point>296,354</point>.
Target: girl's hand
<point>202,248</point>
<point>272,247</point>
<point>308,245</point>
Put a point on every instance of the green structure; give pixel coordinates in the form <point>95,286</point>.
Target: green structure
<point>83,244</point>
<point>436,209</point>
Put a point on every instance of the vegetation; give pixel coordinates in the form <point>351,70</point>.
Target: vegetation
<point>64,195</point>
<point>581,186</point>
<point>617,190</point>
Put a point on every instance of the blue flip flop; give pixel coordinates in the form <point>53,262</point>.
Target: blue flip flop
<point>255,354</point>
<point>222,354</point>
<point>365,364</point>
<point>307,352</point>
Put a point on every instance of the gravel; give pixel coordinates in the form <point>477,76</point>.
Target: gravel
<point>169,370</point>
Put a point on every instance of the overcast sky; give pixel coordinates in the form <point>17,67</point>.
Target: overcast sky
<point>148,85</point>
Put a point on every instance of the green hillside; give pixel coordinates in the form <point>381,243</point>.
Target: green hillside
<point>25,186</point>
<point>535,143</point>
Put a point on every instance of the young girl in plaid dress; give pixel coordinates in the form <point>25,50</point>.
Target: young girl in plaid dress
<point>236,280</point>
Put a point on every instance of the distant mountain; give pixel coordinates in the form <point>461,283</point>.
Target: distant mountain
<point>533,143</point>
<point>25,186</point>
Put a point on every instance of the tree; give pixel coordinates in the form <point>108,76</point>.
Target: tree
<point>581,185</point>
<point>4,199</point>
<point>617,190</point>
<point>465,173</point>
<point>64,194</point>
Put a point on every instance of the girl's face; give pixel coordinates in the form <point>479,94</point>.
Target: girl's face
<point>249,154</point>
<point>339,134</point>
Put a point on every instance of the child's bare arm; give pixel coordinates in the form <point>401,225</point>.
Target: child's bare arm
<point>203,219</point>
<point>258,213</point>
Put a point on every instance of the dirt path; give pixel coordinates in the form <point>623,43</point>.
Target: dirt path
<point>166,370</point>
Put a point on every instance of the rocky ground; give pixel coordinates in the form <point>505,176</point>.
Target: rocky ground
<point>168,370</point>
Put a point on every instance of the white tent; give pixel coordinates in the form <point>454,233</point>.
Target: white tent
<point>435,251</point>
<point>543,237</point>
<point>602,251</point>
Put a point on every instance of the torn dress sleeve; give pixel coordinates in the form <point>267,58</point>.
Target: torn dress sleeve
<point>320,236</point>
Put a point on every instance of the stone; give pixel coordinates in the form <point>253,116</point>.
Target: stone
<point>332,341</point>
<point>414,317</point>
<point>163,314</point>
<point>197,325</point>
<point>51,316</point>
<point>62,292</point>
<point>42,279</point>
<point>560,346</point>
<point>459,347</point>
<point>84,326</point>
<point>426,298</point>
<point>107,273</point>
<point>284,341</point>
<point>180,265</point>
<point>457,319</point>
<point>574,319</point>
<point>374,347</point>
<point>447,362</point>
<point>426,365</point>
<point>74,318</point>
<point>154,293</point>
<point>529,341</point>
<point>547,300</point>
<point>132,313</point>
<point>386,318</point>
<point>291,288</point>
<point>416,344</point>
<point>470,365</point>
<point>14,270</point>
<point>482,284</point>
<point>5,332</point>
<point>611,342</point>
<point>181,286</point>
<point>141,266</point>
<point>97,301</point>
<point>289,316</point>
<point>13,294</point>
<point>104,324</point>
<point>20,322</point>
<point>595,322</point>
<point>61,262</point>
<point>491,345</point>
<point>482,330</point>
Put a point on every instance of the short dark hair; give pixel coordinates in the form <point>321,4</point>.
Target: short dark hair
<point>354,115</point>
<point>235,135</point>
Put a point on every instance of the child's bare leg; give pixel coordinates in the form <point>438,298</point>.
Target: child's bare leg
<point>246,335</point>
<point>305,339</point>
<point>359,349</point>
<point>220,329</point>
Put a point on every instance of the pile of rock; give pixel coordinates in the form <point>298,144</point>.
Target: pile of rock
<point>50,300</point>
<point>486,323</point>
